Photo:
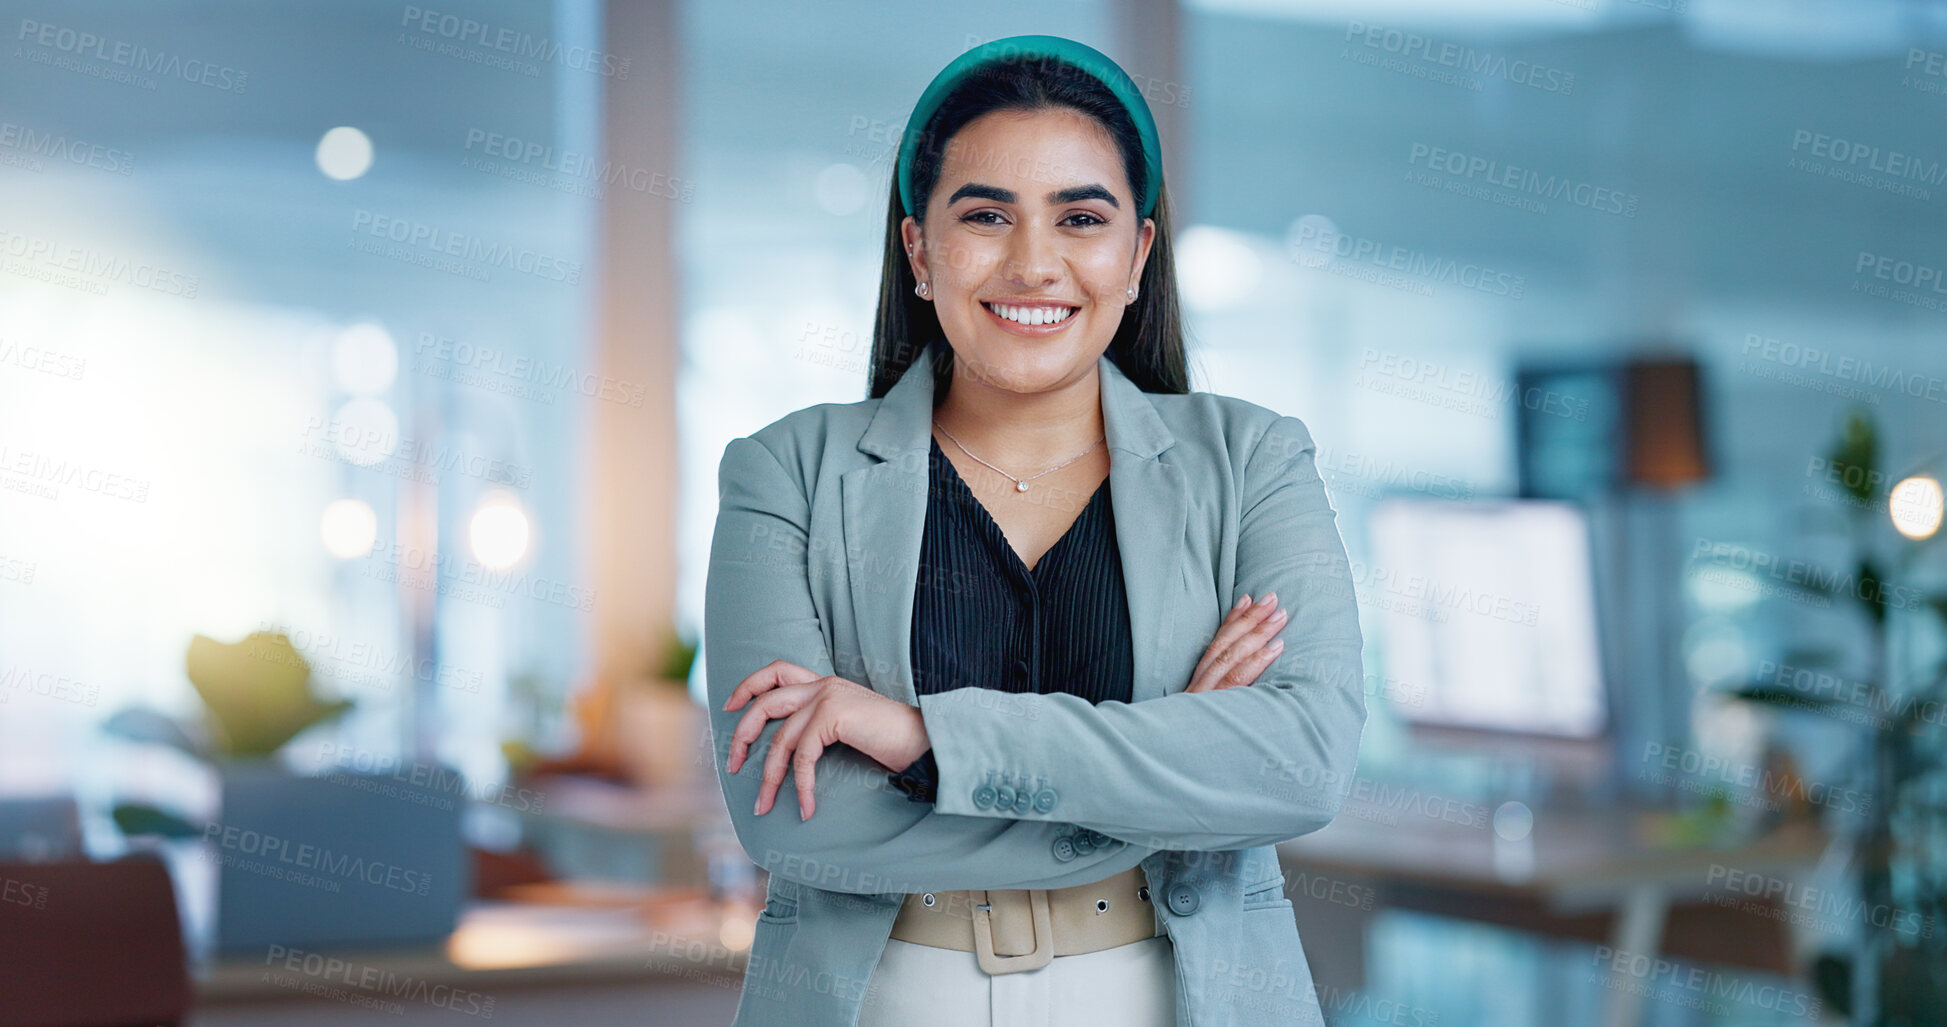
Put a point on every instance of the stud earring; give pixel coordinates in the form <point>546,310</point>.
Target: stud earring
<point>1132,294</point>
<point>920,289</point>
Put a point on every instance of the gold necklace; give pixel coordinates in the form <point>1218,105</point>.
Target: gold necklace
<point>1021,484</point>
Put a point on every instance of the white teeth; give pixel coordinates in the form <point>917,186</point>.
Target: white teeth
<point>1032,315</point>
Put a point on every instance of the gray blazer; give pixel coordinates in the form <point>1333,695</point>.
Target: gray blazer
<point>815,561</point>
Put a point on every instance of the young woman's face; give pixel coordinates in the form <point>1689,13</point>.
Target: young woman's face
<point>1031,243</point>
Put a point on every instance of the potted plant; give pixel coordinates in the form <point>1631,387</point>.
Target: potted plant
<point>366,853</point>
<point>1897,977</point>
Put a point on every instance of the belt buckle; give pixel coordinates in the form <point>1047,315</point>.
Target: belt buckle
<point>1044,940</point>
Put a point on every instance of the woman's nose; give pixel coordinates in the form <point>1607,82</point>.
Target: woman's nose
<point>1033,258</point>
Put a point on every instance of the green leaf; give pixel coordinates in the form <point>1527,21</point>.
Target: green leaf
<point>137,819</point>
<point>258,692</point>
<point>1854,458</point>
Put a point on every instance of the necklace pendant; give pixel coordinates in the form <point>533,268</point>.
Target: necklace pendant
<point>1020,486</point>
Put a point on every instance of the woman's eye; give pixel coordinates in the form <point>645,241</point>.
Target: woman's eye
<point>980,216</point>
<point>1086,220</point>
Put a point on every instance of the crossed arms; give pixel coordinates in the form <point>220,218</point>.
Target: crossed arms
<point>1229,769</point>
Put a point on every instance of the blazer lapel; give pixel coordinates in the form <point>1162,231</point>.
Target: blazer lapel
<point>1152,504</point>
<point>885,519</point>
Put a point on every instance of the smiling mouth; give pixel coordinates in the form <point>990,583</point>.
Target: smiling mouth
<point>1032,316</point>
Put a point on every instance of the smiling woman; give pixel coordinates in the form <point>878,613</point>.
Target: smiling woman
<point>1044,792</point>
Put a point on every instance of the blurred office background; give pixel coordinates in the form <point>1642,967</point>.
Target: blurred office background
<point>364,369</point>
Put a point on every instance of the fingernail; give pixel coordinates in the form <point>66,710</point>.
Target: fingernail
<point>1270,597</point>
<point>1243,601</point>
<point>1278,618</point>
<point>1277,645</point>
<point>757,807</point>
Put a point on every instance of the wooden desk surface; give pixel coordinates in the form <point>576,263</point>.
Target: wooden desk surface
<point>628,937</point>
<point>1571,860</point>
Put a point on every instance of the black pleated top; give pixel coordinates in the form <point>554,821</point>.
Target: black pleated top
<point>982,619</point>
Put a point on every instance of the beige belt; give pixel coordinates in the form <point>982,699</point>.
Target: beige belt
<point>1016,929</point>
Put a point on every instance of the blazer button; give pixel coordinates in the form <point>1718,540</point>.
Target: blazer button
<point>1084,844</point>
<point>1044,800</point>
<point>1023,801</point>
<point>1064,849</point>
<point>1183,899</point>
<point>1004,797</point>
<point>984,796</point>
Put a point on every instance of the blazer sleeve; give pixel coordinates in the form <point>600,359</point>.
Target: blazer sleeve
<point>1230,769</point>
<point>867,836</point>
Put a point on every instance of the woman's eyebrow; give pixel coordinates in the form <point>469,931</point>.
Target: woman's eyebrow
<point>1082,192</point>
<point>1059,196</point>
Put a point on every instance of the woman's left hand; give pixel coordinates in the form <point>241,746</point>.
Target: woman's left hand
<point>818,712</point>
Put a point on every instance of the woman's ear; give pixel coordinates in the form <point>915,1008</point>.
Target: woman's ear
<point>1145,238</point>
<point>915,247</point>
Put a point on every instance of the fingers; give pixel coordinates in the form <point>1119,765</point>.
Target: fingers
<point>1241,634</point>
<point>804,765</point>
<point>774,674</point>
<point>1229,663</point>
<point>1240,617</point>
<point>777,760</point>
<point>768,707</point>
<point>1246,672</point>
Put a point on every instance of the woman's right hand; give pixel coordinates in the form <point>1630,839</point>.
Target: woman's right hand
<point>1243,647</point>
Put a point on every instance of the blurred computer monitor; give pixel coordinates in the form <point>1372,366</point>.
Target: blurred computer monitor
<point>1488,611</point>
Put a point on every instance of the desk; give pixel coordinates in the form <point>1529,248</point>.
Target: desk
<point>1593,874</point>
<point>630,937</point>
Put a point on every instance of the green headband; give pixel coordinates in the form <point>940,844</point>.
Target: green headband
<point>1030,48</point>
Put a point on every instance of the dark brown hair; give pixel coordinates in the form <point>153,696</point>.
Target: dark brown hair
<point>1148,343</point>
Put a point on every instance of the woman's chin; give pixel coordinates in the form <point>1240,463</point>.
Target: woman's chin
<point>1025,365</point>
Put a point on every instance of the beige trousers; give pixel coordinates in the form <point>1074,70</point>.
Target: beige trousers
<point>1131,985</point>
